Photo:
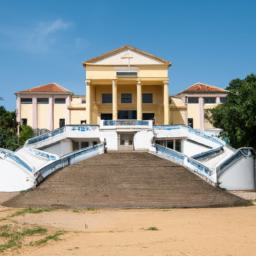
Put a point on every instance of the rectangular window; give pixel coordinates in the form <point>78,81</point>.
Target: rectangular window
<point>61,122</point>
<point>209,100</point>
<point>148,116</point>
<point>106,116</point>
<point>126,98</point>
<point>84,144</point>
<point>106,98</point>
<point>192,100</point>
<point>170,144</point>
<point>190,122</point>
<point>83,101</point>
<point>178,145</point>
<point>59,100</point>
<point>26,100</point>
<point>127,114</point>
<point>24,121</point>
<point>42,100</point>
<point>83,122</point>
<point>147,98</point>
<point>223,99</point>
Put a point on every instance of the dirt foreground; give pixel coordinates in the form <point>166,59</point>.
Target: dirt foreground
<point>174,232</point>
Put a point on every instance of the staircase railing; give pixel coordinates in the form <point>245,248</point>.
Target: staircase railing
<point>186,161</point>
<point>240,153</point>
<point>69,159</point>
<point>209,153</point>
<point>124,122</point>
<point>67,128</point>
<point>7,154</point>
<point>42,154</point>
<point>192,131</point>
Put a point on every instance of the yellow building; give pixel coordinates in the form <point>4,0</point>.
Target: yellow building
<point>125,83</point>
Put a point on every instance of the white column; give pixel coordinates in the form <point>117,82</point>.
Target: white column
<point>34,113</point>
<point>18,114</point>
<point>51,113</point>
<point>88,101</point>
<point>114,100</point>
<point>68,102</point>
<point>201,112</point>
<point>166,102</point>
<point>218,100</point>
<point>139,100</point>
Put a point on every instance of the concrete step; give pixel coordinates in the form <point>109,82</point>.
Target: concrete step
<point>125,180</point>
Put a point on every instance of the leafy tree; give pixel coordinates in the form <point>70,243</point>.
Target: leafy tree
<point>8,130</point>
<point>26,132</point>
<point>237,117</point>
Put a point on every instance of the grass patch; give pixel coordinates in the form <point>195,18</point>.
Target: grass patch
<point>14,236</point>
<point>53,237</point>
<point>25,211</point>
<point>152,229</point>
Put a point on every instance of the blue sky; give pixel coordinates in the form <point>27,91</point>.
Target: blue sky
<point>47,41</point>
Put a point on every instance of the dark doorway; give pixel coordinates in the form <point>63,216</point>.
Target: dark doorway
<point>127,114</point>
<point>106,116</point>
<point>148,116</point>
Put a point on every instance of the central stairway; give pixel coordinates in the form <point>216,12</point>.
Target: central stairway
<point>125,180</point>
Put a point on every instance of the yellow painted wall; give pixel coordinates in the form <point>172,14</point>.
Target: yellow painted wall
<point>26,112</point>
<point>193,112</point>
<point>43,119</point>
<point>98,107</point>
<point>109,72</point>
<point>60,111</point>
<point>77,116</point>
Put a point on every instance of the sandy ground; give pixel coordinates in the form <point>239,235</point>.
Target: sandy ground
<point>212,231</point>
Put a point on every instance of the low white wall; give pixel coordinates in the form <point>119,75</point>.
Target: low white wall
<point>111,139</point>
<point>60,148</point>
<point>143,140</point>
<point>13,178</point>
<point>189,148</point>
<point>239,176</point>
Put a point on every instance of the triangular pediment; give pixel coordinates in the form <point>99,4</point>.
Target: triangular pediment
<point>127,55</point>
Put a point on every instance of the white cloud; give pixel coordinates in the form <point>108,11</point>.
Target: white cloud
<point>34,39</point>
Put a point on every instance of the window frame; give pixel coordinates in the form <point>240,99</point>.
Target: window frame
<point>192,102</point>
<point>208,98</point>
<point>25,102</point>
<point>123,97</point>
<point>103,100</point>
<point>56,102</point>
<point>147,94</point>
<point>42,101</point>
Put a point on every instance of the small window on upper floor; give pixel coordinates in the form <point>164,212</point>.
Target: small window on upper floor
<point>83,101</point>
<point>191,122</point>
<point>223,99</point>
<point>192,100</point>
<point>106,98</point>
<point>147,98</point>
<point>126,98</point>
<point>42,101</point>
<point>209,100</point>
<point>60,101</point>
<point>24,121</point>
<point>26,100</point>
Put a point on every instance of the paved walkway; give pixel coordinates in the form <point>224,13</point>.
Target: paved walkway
<point>125,180</point>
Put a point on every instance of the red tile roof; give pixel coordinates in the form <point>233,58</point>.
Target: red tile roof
<point>203,88</point>
<point>47,88</point>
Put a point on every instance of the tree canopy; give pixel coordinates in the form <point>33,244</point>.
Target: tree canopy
<point>237,117</point>
<point>8,130</point>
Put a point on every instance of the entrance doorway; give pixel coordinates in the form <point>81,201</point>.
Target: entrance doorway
<point>127,114</point>
<point>125,141</point>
